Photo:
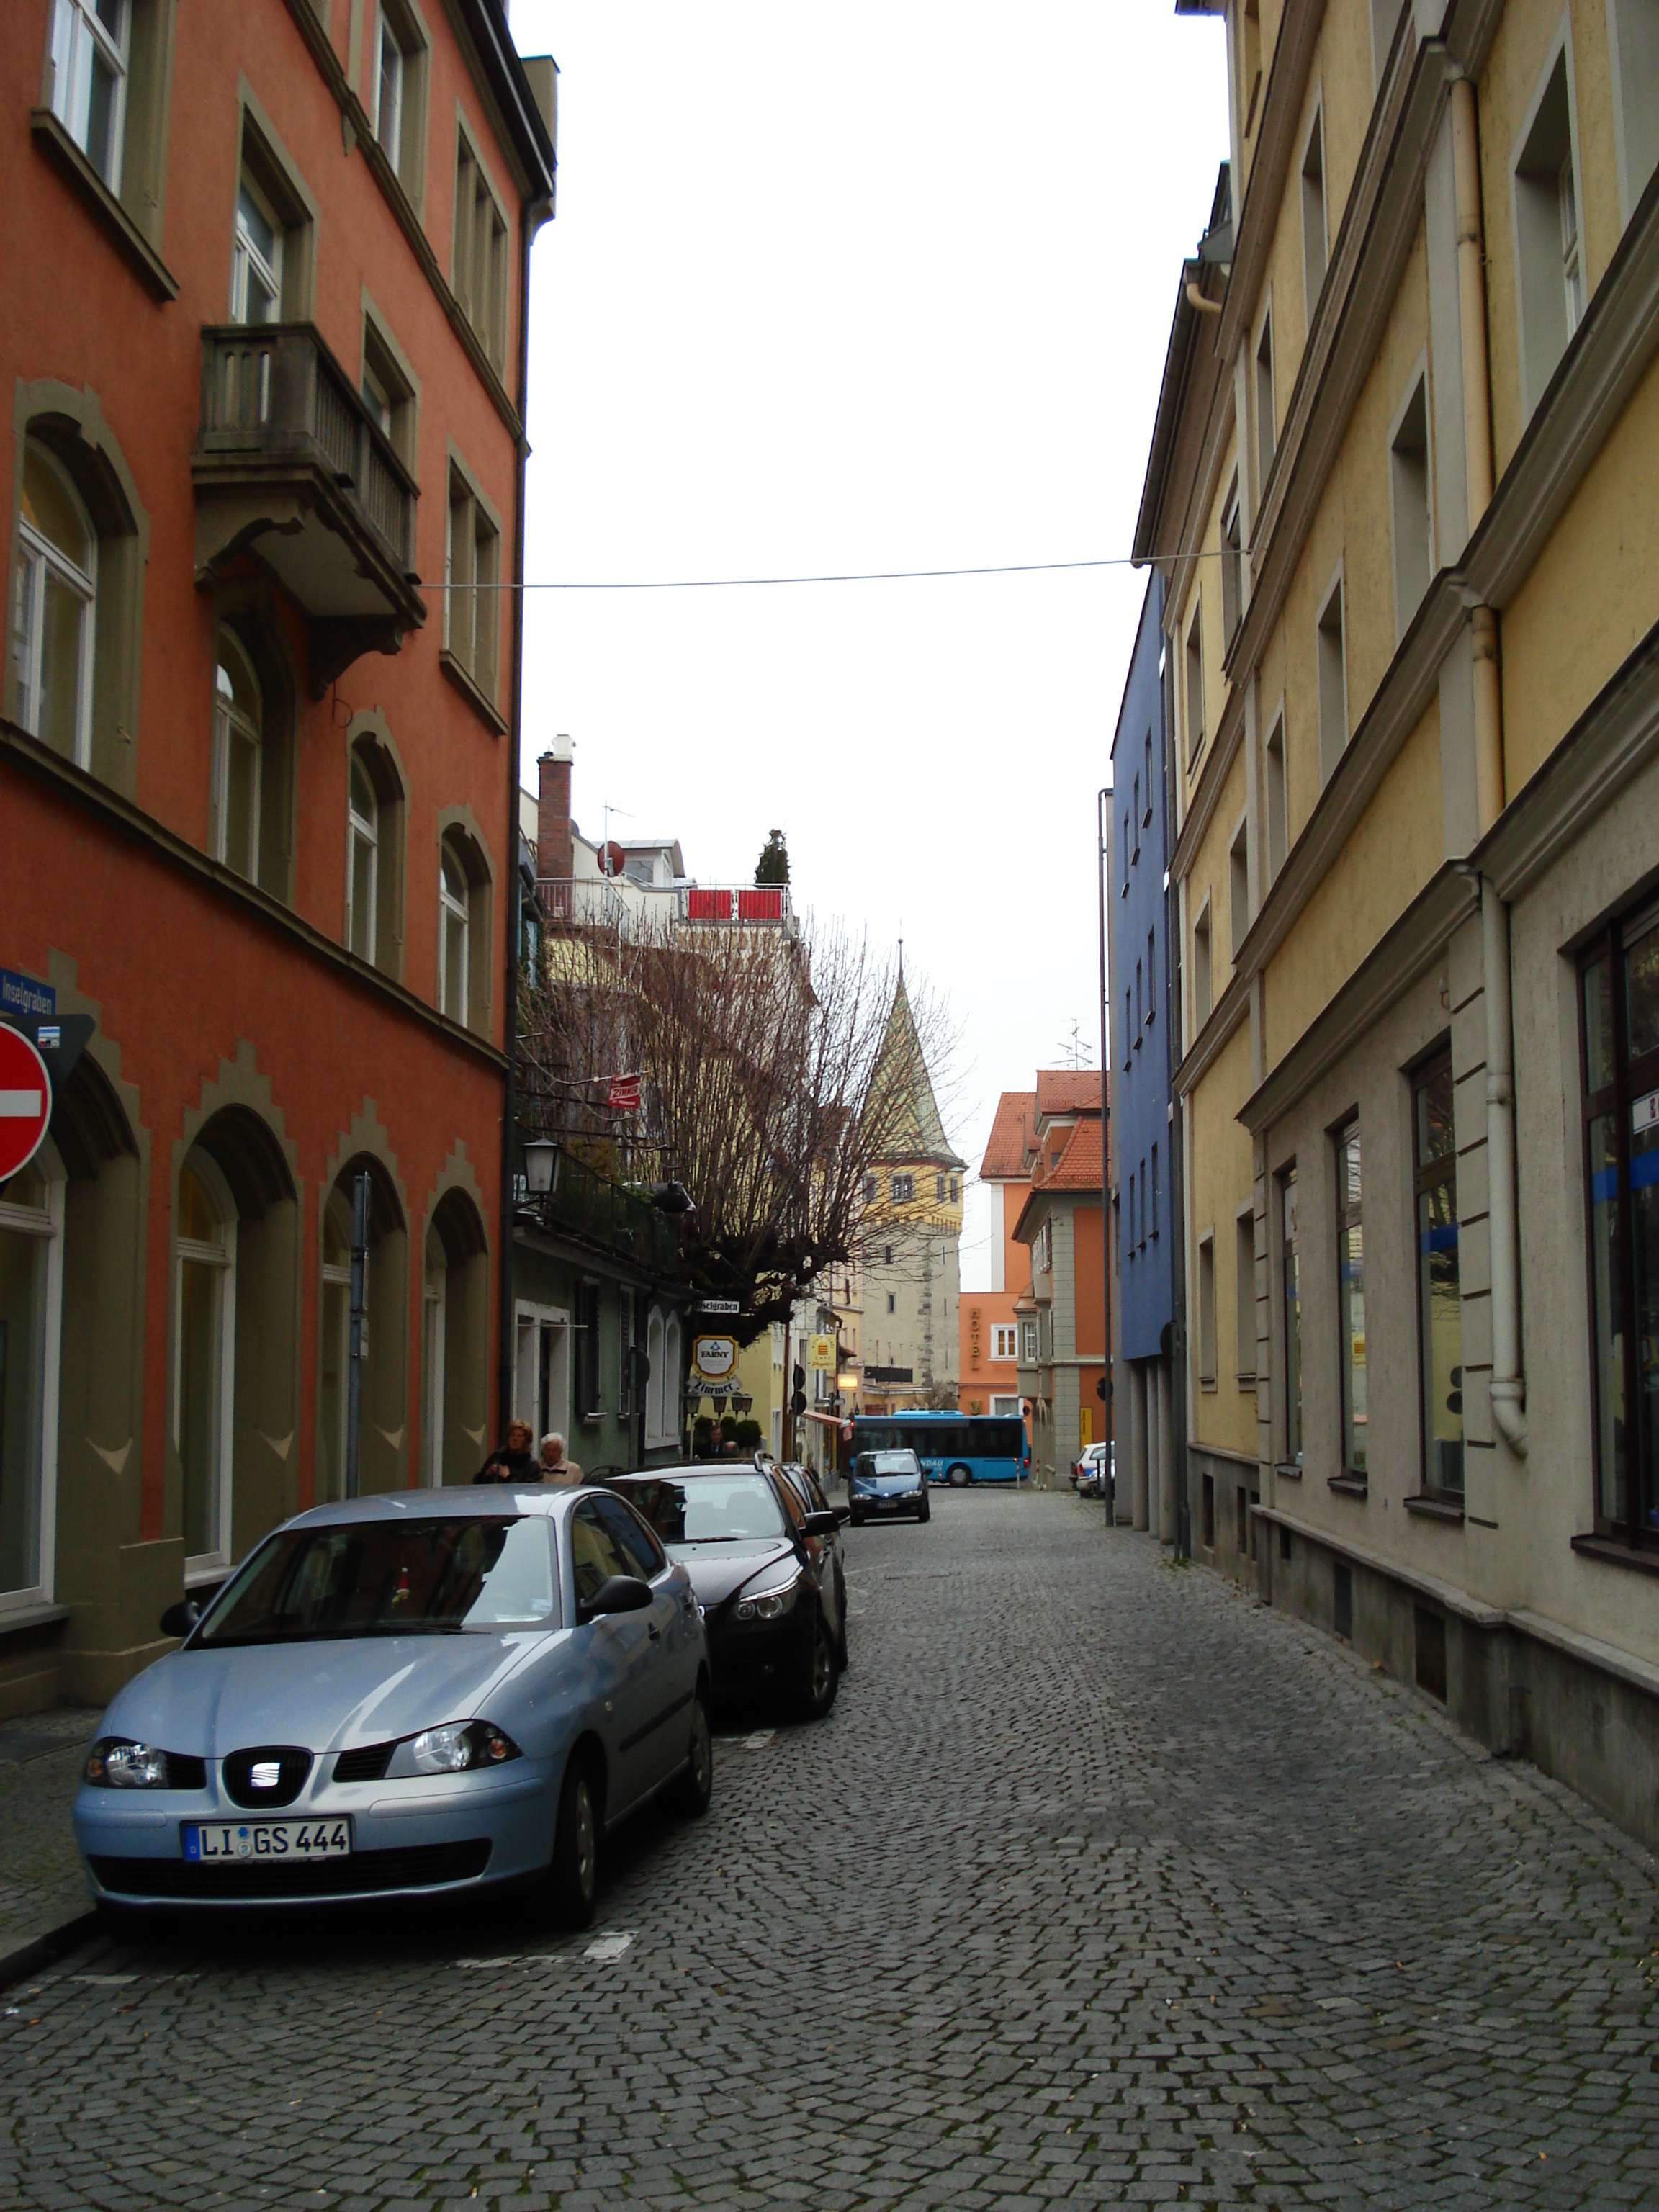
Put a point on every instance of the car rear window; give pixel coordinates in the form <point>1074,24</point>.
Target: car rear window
<point>706,1509</point>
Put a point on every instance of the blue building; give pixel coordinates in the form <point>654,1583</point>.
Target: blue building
<point>1144,1195</point>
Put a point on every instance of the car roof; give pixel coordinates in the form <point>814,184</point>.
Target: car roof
<point>703,1471</point>
<point>440,1504</point>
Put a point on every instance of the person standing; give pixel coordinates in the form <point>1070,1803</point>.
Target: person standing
<point>556,1467</point>
<point>514,1462</point>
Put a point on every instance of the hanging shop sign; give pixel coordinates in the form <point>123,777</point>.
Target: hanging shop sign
<point>713,1357</point>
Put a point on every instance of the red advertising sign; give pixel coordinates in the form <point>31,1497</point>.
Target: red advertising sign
<point>624,1093</point>
<point>25,1101</point>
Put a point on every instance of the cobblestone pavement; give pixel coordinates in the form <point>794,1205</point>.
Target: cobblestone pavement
<point>41,1885</point>
<point>1099,1883</point>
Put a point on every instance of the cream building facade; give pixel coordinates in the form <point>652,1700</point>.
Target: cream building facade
<point>1405,488</point>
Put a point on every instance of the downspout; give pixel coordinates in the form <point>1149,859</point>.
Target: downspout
<point>1176,1349</point>
<point>1509,1385</point>
<point>535,212</point>
<point>1104,876</point>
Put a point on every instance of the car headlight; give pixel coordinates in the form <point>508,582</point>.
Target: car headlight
<point>458,1744</point>
<point>115,1762</point>
<point>770,1605</point>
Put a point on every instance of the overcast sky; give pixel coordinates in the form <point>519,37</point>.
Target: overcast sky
<point>875,286</point>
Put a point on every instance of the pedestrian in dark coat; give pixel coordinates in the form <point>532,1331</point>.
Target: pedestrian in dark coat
<point>514,1462</point>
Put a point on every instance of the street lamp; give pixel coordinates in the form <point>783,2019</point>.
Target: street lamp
<point>541,1166</point>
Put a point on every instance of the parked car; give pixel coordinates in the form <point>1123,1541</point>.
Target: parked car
<point>807,1488</point>
<point>423,1692</point>
<point>1093,1470</point>
<point>765,1572</point>
<point>887,1482</point>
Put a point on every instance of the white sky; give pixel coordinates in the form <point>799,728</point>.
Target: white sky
<point>874,286</point>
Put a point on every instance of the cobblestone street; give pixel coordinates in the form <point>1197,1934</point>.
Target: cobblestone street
<point>1101,1883</point>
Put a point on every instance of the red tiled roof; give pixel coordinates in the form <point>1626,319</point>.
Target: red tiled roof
<point>1068,1091</point>
<point>1078,1166</point>
<point>1004,1150</point>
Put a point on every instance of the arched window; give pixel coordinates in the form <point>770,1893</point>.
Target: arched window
<point>383,1415</point>
<point>56,593</point>
<point>204,1354</point>
<point>363,859</point>
<point>455,1344</point>
<point>31,1306</point>
<point>453,930</point>
<point>238,763</point>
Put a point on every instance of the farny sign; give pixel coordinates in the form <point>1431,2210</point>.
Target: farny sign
<point>713,1357</point>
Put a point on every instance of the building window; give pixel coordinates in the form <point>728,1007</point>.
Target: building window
<point>1277,810</point>
<point>1143,1206</point>
<point>902,1188</point>
<point>272,237</point>
<point>1129,1038</point>
<point>955,1191</point>
<point>1439,1289</point>
<point>1350,1297</point>
<point>204,1370</point>
<point>1266,429</point>
<point>1619,987</point>
<point>388,391</point>
<point>1134,1243</point>
<point>54,612</point>
<point>1154,1224</point>
<point>362,874</point>
<point>1548,253</point>
<point>1146,818</point>
<point>1333,684</point>
<point>1245,1296</point>
<point>1413,538</point>
<point>1314,246</point>
<point>586,1390</point>
<point>398,112</point>
<point>1238,887</point>
<point>478,263</point>
<point>869,1190</point>
<point>1290,1295</point>
<point>1003,1345</point>
<point>1134,817</point>
<point>472,571</point>
<point>1634,27</point>
<point>256,274</point>
<point>237,759</point>
<point>1139,1001</point>
<point>31,1335</point>
<point>938,1190</point>
<point>1232,564</point>
<point>1195,685</point>
<point>1249,66</point>
<point>1206,1312</point>
<point>1201,985</point>
<point>1152,985</point>
<point>453,926</point>
<point>892,1303</point>
<point>90,65</point>
<point>1028,1342</point>
<point>886,1256</point>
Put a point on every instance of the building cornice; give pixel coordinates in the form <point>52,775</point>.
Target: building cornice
<point>1386,974</point>
<point>122,817</point>
<point>1275,146</point>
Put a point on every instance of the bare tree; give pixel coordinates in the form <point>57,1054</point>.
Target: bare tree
<point>763,1090</point>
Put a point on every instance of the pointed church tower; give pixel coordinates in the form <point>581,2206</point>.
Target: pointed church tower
<point>910,1231</point>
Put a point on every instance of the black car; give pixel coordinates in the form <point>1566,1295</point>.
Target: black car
<point>765,1570</point>
<point>886,1482</point>
<point>805,1485</point>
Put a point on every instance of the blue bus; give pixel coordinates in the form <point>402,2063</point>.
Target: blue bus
<point>954,1448</point>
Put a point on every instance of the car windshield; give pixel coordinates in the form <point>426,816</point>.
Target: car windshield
<point>418,1576</point>
<point>707,1509</point>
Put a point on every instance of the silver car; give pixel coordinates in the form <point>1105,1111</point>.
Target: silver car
<point>407,1694</point>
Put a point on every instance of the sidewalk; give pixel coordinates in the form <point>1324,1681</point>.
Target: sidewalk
<point>43,1894</point>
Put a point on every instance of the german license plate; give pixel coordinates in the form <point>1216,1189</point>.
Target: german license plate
<point>207,1841</point>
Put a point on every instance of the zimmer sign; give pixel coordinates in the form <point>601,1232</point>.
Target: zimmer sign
<point>713,1357</point>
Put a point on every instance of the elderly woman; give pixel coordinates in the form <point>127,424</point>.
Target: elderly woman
<point>515,1461</point>
<point>556,1467</point>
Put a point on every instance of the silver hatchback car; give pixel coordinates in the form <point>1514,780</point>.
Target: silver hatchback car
<point>425,1691</point>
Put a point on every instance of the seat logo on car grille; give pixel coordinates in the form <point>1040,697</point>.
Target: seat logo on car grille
<point>266,1774</point>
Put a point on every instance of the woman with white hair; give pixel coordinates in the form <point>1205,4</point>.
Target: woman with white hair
<point>556,1467</point>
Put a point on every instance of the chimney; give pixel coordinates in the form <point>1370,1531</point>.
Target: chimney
<point>555,853</point>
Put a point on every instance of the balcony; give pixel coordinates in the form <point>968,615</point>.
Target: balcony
<point>290,464</point>
<point>607,1216</point>
<point>636,911</point>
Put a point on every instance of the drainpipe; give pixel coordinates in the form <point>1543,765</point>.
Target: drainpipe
<point>1103,880</point>
<point>1509,1387</point>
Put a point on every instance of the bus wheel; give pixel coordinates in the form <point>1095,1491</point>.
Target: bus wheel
<point>958,1478</point>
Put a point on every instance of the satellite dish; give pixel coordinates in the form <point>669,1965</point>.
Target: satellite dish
<point>613,859</point>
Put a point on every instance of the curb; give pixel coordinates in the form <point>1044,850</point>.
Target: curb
<point>46,1950</point>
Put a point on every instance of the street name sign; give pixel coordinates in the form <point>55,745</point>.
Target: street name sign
<point>25,1102</point>
<point>733,1306</point>
<point>21,998</point>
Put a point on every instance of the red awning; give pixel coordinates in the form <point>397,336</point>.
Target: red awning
<point>830,1420</point>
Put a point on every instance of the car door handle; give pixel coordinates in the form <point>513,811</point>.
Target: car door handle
<point>654,1633</point>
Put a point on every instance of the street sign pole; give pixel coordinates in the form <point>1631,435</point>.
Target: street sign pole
<point>359,1315</point>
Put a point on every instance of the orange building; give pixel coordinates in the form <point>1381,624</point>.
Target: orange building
<point>988,1350</point>
<point>265,324</point>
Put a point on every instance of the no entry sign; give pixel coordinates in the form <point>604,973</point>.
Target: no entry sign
<point>25,1101</point>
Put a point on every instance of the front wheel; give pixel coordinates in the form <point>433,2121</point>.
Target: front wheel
<point>958,1478</point>
<point>819,1680</point>
<point>573,1879</point>
<point>697,1785</point>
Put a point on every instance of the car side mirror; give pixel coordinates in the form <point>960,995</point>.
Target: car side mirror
<point>843,1514</point>
<point>179,1620</point>
<point>617,1594</point>
<point>823,1525</point>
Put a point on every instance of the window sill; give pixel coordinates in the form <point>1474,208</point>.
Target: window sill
<point>1289,1470</point>
<point>54,141</point>
<point>1435,1508</point>
<point>1616,1554</point>
<point>1350,1485</point>
<point>1207,1383</point>
<point>24,1617</point>
<point>1245,1382</point>
<point>467,684</point>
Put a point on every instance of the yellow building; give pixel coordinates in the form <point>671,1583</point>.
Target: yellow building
<point>1405,488</point>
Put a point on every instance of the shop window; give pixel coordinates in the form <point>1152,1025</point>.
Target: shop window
<point>454,1350</point>
<point>32,1214</point>
<point>1439,1287</point>
<point>1350,1298</point>
<point>1620,997</point>
<point>588,1404</point>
